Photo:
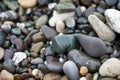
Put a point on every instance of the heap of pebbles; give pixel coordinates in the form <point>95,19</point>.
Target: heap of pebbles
<point>59,40</point>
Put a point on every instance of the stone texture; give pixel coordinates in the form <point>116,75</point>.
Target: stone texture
<point>110,70</point>
<point>93,46</point>
<point>113,20</point>
<point>71,71</point>
<point>102,30</point>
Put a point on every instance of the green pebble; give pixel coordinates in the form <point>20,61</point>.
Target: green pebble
<point>16,31</point>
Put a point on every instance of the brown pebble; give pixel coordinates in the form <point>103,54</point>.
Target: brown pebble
<point>89,76</point>
<point>64,78</point>
<point>60,26</point>
<point>83,70</point>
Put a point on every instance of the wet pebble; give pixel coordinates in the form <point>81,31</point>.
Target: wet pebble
<point>69,72</point>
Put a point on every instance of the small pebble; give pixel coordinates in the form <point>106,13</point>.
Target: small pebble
<point>83,70</point>
<point>1,53</point>
<point>83,78</point>
<point>70,22</point>
<point>60,26</point>
<point>38,74</point>
<point>27,3</point>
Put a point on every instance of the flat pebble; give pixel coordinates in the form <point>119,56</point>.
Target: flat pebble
<point>48,31</point>
<point>71,71</point>
<point>110,70</point>
<point>70,22</point>
<point>38,37</point>
<point>37,47</point>
<point>93,46</point>
<point>28,3</point>
<point>55,66</point>
<point>102,30</point>
<point>52,76</point>
<point>81,59</point>
<point>37,61</point>
<point>5,75</point>
<point>112,17</point>
<point>9,65</point>
<point>18,57</point>
<point>42,20</point>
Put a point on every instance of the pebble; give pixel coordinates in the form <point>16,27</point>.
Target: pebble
<point>112,17</point>
<point>5,75</point>
<point>100,9</point>
<point>65,7</point>
<point>37,47</point>
<point>118,5</point>
<point>27,3</point>
<point>86,2</point>
<point>1,53</point>
<point>38,37</point>
<point>111,2</point>
<point>52,5</point>
<point>70,22</point>
<point>71,71</point>
<point>38,74</point>
<point>60,26</point>
<point>52,76</point>
<point>24,63</point>
<point>2,37</point>
<point>82,20</point>
<point>8,54</point>
<point>16,31</point>
<point>37,61</point>
<point>6,28</point>
<point>9,65</point>
<point>95,76</point>
<point>110,70</point>
<point>48,32</point>
<point>102,30</point>
<point>18,57</point>
<point>8,15</point>
<point>83,9</point>
<point>59,16</point>
<point>43,68</point>
<point>100,16</point>
<point>94,46</point>
<point>89,76</point>
<point>20,44</point>
<point>20,25</point>
<point>55,66</point>
<point>42,20</point>
<point>83,70</point>
<point>78,11</point>
<point>90,10</point>
<point>109,79</point>
<point>63,43</point>
<point>81,59</point>
<point>12,39</point>
<point>42,2</point>
<point>83,78</point>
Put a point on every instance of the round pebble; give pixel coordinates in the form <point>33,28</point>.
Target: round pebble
<point>83,70</point>
<point>27,3</point>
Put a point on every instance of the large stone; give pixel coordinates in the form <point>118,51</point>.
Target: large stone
<point>81,59</point>
<point>5,75</point>
<point>102,30</point>
<point>71,71</point>
<point>110,68</point>
<point>113,19</point>
<point>93,46</point>
<point>63,43</point>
